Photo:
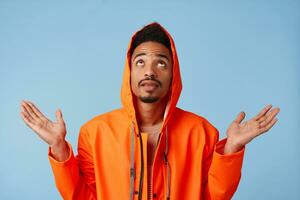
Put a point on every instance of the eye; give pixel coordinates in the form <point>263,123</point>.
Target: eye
<point>139,63</point>
<point>161,64</point>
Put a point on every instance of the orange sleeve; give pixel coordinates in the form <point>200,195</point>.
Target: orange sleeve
<point>74,177</point>
<point>222,172</point>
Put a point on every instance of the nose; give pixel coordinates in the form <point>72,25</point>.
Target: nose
<point>150,71</point>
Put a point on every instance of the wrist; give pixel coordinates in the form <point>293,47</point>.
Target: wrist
<point>231,146</point>
<point>60,150</point>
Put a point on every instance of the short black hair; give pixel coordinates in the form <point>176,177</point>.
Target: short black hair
<point>151,32</point>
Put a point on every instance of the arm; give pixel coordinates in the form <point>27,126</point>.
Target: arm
<point>221,173</point>
<point>222,166</point>
<point>75,177</point>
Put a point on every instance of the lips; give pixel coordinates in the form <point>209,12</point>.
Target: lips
<point>149,84</point>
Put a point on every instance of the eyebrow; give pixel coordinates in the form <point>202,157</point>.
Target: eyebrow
<point>143,54</point>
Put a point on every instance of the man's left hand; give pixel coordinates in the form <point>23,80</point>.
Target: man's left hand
<point>239,134</point>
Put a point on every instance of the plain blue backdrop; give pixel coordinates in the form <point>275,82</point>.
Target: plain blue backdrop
<point>234,56</point>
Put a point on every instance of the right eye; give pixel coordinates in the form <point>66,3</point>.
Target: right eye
<point>139,63</point>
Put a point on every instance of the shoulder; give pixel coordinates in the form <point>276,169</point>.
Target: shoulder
<point>200,125</point>
<point>117,115</point>
<point>192,118</point>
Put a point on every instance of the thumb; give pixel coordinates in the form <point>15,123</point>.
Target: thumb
<point>59,116</point>
<point>240,117</point>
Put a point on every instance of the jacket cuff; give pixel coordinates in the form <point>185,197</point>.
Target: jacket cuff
<point>227,162</point>
<point>65,173</point>
<point>225,171</point>
<point>57,163</point>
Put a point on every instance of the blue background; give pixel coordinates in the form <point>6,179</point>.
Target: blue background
<point>234,55</point>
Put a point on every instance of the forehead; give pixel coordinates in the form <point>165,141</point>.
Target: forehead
<point>151,48</point>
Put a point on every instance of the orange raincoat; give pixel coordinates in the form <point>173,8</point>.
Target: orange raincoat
<point>112,155</point>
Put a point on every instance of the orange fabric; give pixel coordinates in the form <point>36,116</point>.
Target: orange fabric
<point>101,170</point>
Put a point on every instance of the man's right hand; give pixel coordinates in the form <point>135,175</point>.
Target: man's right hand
<point>53,133</point>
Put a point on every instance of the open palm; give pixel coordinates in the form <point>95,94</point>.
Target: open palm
<point>49,131</point>
<point>241,133</point>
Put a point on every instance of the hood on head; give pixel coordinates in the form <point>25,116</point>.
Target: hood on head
<point>176,85</point>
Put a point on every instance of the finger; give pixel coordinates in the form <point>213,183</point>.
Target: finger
<point>270,125</point>
<point>59,116</point>
<point>29,110</point>
<point>240,117</point>
<point>266,117</point>
<point>263,112</point>
<point>29,122</point>
<point>26,118</point>
<point>36,110</point>
<point>26,111</point>
<point>272,114</point>
<point>263,118</point>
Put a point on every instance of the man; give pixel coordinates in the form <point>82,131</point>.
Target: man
<point>149,148</point>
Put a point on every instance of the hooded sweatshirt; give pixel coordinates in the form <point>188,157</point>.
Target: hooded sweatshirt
<point>111,163</point>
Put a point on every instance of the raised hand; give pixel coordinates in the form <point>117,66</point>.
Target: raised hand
<point>241,133</point>
<point>53,133</point>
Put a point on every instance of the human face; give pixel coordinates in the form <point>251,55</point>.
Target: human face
<point>151,71</point>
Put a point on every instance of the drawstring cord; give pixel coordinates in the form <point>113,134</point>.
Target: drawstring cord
<point>142,169</point>
<point>132,170</point>
<point>168,166</point>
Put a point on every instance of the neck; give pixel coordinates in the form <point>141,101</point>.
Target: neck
<point>150,114</point>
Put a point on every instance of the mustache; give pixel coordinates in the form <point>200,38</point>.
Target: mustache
<point>150,78</point>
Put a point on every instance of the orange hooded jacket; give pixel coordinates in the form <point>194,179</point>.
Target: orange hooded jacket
<point>111,163</point>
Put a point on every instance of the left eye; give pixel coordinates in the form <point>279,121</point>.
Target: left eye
<point>161,64</point>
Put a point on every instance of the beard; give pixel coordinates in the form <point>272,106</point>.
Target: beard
<point>149,99</point>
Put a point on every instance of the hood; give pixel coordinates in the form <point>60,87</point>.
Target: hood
<point>176,85</point>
